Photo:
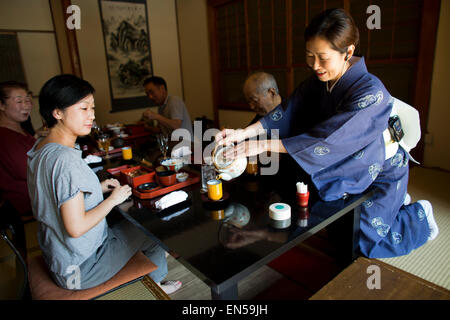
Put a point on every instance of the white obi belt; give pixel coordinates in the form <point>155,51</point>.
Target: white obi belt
<point>410,121</point>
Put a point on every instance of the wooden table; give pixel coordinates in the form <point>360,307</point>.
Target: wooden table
<point>395,284</point>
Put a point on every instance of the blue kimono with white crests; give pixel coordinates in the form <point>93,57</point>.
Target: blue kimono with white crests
<point>337,138</point>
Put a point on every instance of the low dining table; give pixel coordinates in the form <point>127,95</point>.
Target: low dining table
<point>223,242</point>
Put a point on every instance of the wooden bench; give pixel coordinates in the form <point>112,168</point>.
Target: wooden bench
<point>394,284</point>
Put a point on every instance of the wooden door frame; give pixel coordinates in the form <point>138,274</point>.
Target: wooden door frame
<point>65,37</point>
<point>424,69</point>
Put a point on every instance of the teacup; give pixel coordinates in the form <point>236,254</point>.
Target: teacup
<point>214,189</point>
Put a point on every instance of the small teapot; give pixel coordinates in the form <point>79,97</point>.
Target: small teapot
<point>227,168</point>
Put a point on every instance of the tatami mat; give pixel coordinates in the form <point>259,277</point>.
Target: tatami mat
<point>134,291</point>
<point>195,289</point>
<point>431,261</point>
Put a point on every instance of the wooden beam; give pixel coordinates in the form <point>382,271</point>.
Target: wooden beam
<point>216,3</point>
<point>59,26</point>
<point>259,32</point>
<point>214,61</point>
<point>347,5</point>
<point>72,44</point>
<point>238,43</point>
<point>425,60</point>
<point>289,53</point>
<point>227,33</point>
<point>393,29</point>
<point>247,37</point>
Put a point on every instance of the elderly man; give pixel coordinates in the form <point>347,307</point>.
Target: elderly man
<point>172,113</point>
<point>261,93</point>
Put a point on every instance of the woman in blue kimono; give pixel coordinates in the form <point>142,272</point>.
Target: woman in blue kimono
<point>332,126</point>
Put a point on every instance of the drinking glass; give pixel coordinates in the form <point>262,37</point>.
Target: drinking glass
<point>163,144</point>
<point>95,130</point>
<point>208,173</point>
<point>104,143</point>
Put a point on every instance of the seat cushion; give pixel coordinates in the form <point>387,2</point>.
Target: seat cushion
<point>43,287</point>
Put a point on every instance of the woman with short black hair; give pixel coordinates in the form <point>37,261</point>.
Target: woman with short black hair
<point>67,197</point>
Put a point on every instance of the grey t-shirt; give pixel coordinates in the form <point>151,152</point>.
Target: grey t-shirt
<point>174,108</point>
<point>56,174</point>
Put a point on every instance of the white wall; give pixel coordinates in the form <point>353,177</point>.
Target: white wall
<point>25,15</point>
<point>196,65</point>
<point>235,119</point>
<point>437,153</point>
<point>164,49</point>
<point>195,57</point>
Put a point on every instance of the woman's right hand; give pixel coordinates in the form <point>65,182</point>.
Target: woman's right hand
<point>229,136</point>
<point>120,194</point>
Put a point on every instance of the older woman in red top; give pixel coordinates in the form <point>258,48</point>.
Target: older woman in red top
<point>15,108</point>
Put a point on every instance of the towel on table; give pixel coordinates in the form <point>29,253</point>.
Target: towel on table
<point>92,159</point>
<point>171,199</point>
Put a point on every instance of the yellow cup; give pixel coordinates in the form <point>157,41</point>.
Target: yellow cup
<point>214,189</point>
<point>127,153</point>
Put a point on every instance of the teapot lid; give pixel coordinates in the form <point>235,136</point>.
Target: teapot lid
<point>219,160</point>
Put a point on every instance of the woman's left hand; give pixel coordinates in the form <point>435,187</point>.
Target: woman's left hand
<point>109,184</point>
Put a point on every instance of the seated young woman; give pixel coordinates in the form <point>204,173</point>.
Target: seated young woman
<point>67,197</point>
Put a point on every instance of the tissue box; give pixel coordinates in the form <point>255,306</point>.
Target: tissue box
<point>134,182</point>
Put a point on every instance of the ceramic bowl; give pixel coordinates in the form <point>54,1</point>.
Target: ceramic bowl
<point>147,187</point>
<point>182,176</point>
<point>174,164</point>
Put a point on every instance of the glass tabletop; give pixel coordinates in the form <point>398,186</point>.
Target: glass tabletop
<point>221,240</point>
